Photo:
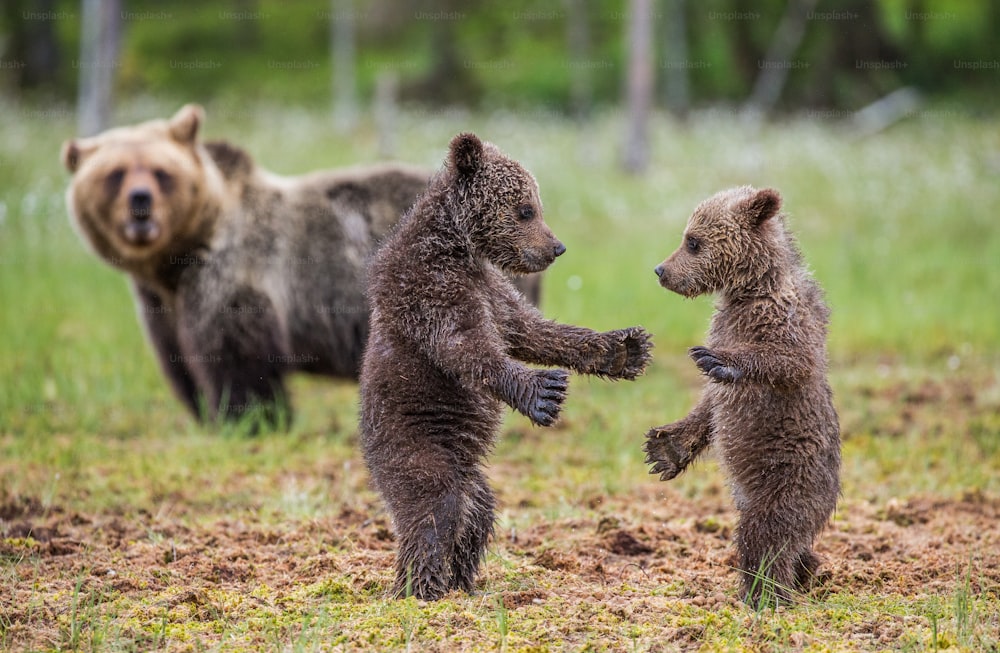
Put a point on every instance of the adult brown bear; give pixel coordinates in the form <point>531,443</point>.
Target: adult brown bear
<point>240,276</point>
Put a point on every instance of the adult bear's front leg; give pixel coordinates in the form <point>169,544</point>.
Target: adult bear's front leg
<point>234,347</point>
<point>160,321</point>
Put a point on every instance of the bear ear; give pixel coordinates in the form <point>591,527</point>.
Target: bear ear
<point>762,206</point>
<point>74,152</point>
<point>466,154</point>
<point>184,125</point>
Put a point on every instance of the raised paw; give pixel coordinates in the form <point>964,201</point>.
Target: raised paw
<point>638,344</point>
<point>666,452</point>
<point>628,355</point>
<point>547,396</point>
<point>713,367</point>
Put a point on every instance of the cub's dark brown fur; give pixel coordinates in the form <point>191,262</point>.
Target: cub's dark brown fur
<point>767,404</point>
<point>240,276</point>
<point>448,337</point>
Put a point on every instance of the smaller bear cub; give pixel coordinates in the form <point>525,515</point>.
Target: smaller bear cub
<point>449,339</point>
<point>766,404</point>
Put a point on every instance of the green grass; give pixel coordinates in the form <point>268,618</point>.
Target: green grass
<point>899,229</point>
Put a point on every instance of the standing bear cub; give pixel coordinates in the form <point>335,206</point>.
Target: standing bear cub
<point>240,276</point>
<point>449,339</point>
<point>766,404</point>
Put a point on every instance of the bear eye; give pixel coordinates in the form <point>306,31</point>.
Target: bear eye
<point>164,179</point>
<point>114,180</point>
<point>693,244</point>
<point>526,212</point>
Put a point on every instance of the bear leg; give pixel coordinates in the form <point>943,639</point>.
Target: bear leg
<point>234,348</point>
<point>425,559</point>
<point>473,538</point>
<point>771,560</point>
<point>443,509</point>
<point>805,568</point>
<point>160,321</point>
<point>672,447</point>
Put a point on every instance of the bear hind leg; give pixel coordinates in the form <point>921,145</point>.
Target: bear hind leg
<point>770,564</point>
<point>470,549</point>
<point>424,563</point>
<point>805,569</point>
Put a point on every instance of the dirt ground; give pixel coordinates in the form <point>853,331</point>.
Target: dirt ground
<point>649,565</point>
<point>661,540</point>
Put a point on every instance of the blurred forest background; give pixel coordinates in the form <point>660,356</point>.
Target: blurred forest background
<point>829,57</point>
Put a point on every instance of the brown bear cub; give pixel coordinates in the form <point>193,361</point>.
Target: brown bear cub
<point>766,405</point>
<point>240,276</point>
<point>449,336</point>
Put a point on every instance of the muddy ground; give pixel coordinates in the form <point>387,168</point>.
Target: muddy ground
<point>649,568</point>
<point>657,543</point>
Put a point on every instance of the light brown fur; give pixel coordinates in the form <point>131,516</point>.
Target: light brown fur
<point>240,276</point>
<point>767,404</point>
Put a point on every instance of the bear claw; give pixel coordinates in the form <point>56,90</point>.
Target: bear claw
<point>629,355</point>
<point>668,457</point>
<point>549,394</point>
<point>710,364</point>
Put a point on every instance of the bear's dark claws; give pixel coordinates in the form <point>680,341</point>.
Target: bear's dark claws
<point>712,366</point>
<point>545,413</point>
<point>547,397</point>
<point>630,354</point>
<point>668,457</point>
<point>725,374</point>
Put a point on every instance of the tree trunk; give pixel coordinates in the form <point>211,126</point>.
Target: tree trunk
<point>886,111</point>
<point>386,114</point>
<point>676,89</point>
<point>345,100</point>
<point>777,62</point>
<point>639,89</point>
<point>30,41</point>
<point>578,40</point>
<point>99,42</point>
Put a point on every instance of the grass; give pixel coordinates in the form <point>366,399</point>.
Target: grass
<point>219,541</point>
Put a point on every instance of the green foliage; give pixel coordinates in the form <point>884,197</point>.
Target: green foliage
<point>517,54</point>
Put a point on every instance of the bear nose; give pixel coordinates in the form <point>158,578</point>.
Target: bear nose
<point>140,203</point>
<point>560,249</point>
<point>659,271</point>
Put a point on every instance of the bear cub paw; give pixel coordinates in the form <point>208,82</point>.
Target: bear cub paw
<point>666,451</point>
<point>627,355</point>
<point>544,400</point>
<point>713,367</point>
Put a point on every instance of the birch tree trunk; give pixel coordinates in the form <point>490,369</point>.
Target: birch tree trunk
<point>99,43</point>
<point>639,87</point>
<point>578,42</point>
<point>342,49</point>
<point>676,88</point>
<point>777,62</point>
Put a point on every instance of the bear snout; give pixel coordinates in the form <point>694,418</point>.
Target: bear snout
<point>140,204</point>
<point>140,229</point>
<point>674,280</point>
<point>559,249</point>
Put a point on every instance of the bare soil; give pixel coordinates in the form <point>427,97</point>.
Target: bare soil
<point>649,563</point>
<point>660,544</point>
